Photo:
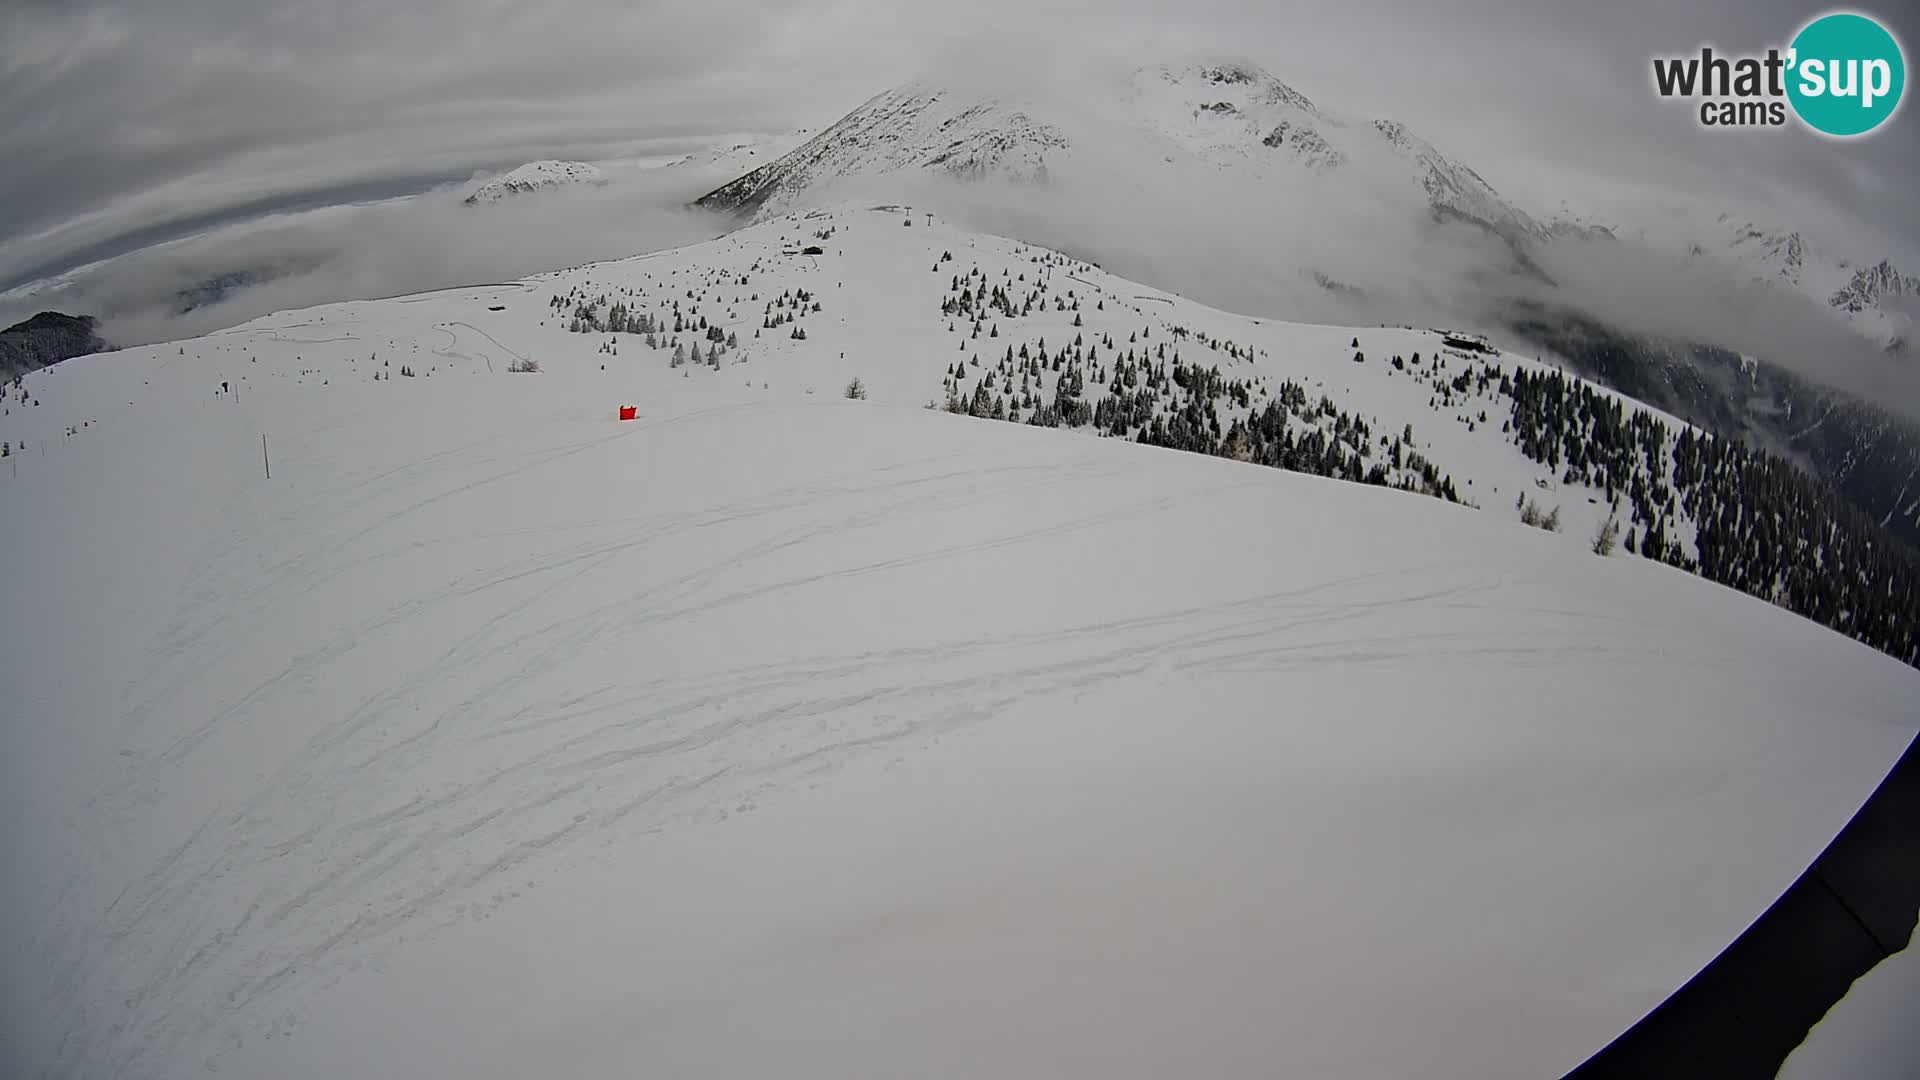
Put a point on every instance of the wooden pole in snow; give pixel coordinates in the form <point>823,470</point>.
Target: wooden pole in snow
<point>263,455</point>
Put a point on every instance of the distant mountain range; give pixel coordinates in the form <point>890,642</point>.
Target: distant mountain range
<point>1868,453</point>
<point>1165,125</point>
<point>1213,116</point>
<point>1236,119</point>
<point>1877,297</point>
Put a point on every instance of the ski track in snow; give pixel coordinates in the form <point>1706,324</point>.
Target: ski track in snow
<point>631,755</point>
<point>454,339</point>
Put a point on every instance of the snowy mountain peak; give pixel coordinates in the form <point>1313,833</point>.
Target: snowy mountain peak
<point>915,126</point>
<point>1781,253</point>
<point>1234,113</point>
<point>536,176</point>
<point>1231,113</point>
<point>1226,80</point>
<point>1753,246</point>
<point>1454,187</point>
<point>1870,284</point>
<point>1171,124</point>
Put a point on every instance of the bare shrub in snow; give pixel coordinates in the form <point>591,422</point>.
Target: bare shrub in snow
<point>1531,514</point>
<point>1607,536</point>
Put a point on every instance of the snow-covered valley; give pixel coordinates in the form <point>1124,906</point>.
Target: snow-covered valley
<point>777,732</point>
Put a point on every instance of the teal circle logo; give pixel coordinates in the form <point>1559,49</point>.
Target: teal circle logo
<point>1846,76</point>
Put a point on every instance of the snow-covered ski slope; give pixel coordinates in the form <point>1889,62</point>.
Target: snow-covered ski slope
<point>880,285</point>
<point>782,734</point>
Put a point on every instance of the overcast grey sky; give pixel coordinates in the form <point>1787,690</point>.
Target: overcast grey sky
<point>131,120</point>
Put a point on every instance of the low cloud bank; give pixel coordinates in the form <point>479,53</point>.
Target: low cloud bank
<point>1317,251</point>
<point>418,244</point>
<point>1320,256</point>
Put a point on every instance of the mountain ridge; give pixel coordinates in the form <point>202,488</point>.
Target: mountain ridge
<point>46,339</point>
<point>921,311</point>
<point>1235,119</point>
<point>535,176</point>
<point>1214,114</point>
